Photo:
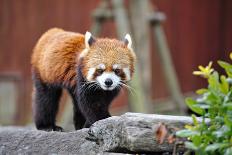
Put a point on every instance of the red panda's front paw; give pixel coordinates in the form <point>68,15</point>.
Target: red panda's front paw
<point>58,128</point>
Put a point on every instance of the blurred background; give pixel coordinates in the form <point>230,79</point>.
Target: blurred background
<point>171,38</point>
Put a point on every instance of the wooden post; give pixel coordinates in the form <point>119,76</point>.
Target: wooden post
<point>139,11</point>
<point>164,55</point>
<point>100,15</point>
<point>137,101</point>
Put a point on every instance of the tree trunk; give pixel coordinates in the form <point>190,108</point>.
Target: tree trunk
<point>129,133</point>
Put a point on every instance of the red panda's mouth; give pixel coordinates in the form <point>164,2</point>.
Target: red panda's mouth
<point>108,80</point>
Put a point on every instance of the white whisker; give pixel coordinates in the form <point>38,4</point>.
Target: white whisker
<point>131,89</point>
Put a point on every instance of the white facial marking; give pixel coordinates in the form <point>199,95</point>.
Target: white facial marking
<point>108,75</point>
<point>90,74</point>
<point>116,66</point>
<point>102,66</point>
<point>127,73</point>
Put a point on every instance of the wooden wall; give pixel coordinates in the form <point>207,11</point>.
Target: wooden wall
<point>198,31</point>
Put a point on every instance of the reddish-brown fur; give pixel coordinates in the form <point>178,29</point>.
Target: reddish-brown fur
<point>54,56</point>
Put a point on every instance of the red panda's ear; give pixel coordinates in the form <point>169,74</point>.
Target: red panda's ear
<point>89,39</point>
<point>128,41</point>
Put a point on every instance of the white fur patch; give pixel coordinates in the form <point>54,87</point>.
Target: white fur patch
<point>102,66</point>
<point>116,66</point>
<point>90,74</point>
<point>127,73</point>
<point>88,35</point>
<point>108,75</point>
<point>128,38</point>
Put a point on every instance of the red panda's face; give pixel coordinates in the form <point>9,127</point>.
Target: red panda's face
<point>109,63</point>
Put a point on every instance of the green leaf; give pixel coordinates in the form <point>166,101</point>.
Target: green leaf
<point>224,64</point>
<point>186,133</point>
<point>191,146</point>
<point>214,81</point>
<point>215,146</point>
<point>228,98</point>
<point>218,119</point>
<point>228,151</point>
<point>197,140</point>
<point>220,133</point>
<point>228,105</point>
<point>195,122</point>
<point>212,97</point>
<point>224,85</point>
<point>202,106</point>
<point>201,91</point>
<point>192,105</point>
<point>188,152</point>
<point>228,121</point>
<point>227,67</point>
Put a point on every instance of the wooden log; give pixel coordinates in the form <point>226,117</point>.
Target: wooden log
<point>129,133</point>
<point>139,133</point>
<point>15,140</point>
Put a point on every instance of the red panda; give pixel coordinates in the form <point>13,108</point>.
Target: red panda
<point>93,70</point>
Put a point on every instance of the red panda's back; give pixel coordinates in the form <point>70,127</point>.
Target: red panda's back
<point>55,55</point>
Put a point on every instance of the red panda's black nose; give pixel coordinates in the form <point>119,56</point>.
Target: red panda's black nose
<point>108,82</point>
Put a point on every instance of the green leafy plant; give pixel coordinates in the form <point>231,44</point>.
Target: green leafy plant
<point>213,134</point>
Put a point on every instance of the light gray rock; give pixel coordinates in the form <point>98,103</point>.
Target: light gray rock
<point>129,133</point>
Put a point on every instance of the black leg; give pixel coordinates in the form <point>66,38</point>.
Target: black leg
<point>46,100</point>
<point>78,118</point>
<point>93,113</point>
<point>92,118</point>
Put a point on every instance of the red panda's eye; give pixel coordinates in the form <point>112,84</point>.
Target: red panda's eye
<point>117,71</point>
<point>99,71</point>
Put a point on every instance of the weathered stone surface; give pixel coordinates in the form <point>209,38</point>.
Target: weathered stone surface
<point>134,132</point>
<point>129,133</point>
